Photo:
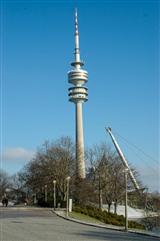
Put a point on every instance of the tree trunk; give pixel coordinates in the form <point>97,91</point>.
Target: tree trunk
<point>100,199</point>
<point>100,194</point>
<point>109,207</point>
<point>115,207</point>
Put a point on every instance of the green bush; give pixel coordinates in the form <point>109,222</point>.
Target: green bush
<point>108,218</point>
<point>133,224</point>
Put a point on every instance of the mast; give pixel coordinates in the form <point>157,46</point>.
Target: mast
<point>77,50</point>
<point>124,161</point>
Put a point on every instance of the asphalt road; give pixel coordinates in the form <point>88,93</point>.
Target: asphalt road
<point>25,224</point>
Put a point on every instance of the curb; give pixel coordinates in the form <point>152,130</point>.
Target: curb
<point>83,222</point>
<point>116,228</point>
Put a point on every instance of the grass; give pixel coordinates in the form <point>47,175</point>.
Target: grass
<point>84,217</point>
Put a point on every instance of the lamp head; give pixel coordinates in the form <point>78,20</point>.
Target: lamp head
<point>68,178</point>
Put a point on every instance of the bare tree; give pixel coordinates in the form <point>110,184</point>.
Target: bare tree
<point>101,159</point>
<point>5,182</point>
<point>19,190</point>
<point>53,161</point>
<point>107,174</point>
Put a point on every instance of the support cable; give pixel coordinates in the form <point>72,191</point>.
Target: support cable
<point>136,147</point>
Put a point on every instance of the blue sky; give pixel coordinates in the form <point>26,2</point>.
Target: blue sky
<point>119,44</point>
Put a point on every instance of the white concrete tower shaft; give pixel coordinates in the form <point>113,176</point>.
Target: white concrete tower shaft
<point>78,95</point>
<point>80,141</point>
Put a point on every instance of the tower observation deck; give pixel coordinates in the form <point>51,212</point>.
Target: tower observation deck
<point>78,94</point>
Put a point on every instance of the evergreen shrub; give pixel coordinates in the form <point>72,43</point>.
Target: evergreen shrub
<point>108,218</point>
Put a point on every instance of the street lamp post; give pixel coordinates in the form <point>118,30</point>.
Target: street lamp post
<point>67,196</point>
<point>126,200</point>
<point>54,193</point>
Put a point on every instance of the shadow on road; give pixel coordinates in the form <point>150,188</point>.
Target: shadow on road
<point>19,213</point>
<point>116,235</point>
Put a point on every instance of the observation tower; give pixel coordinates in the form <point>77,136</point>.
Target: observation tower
<point>78,94</point>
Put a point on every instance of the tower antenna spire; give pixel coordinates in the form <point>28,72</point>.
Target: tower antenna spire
<point>78,62</point>
<point>76,21</point>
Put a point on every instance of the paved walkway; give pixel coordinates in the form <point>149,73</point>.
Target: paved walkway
<point>40,224</point>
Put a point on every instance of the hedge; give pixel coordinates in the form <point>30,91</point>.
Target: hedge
<point>105,217</point>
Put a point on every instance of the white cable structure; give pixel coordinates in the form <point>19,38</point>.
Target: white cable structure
<point>124,161</point>
<point>133,147</point>
<point>136,147</point>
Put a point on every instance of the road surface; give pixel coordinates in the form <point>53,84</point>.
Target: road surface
<point>31,224</point>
